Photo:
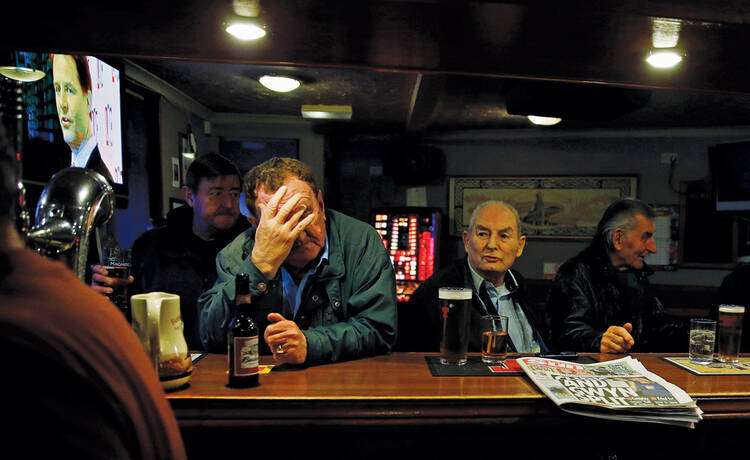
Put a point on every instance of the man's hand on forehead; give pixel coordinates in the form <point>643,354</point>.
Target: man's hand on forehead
<point>282,200</point>
<point>279,226</point>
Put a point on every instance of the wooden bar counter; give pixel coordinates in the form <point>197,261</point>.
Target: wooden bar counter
<point>390,404</point>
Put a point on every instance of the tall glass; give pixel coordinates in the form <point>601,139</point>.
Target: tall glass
<point>455,305</point>
<point>730,332</point>
<point>702,337</point>
<point>117,263</point>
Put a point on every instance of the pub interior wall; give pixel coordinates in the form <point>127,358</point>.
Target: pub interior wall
<point>173,123</point>
<point>511,154</point>
<point>357,178</point>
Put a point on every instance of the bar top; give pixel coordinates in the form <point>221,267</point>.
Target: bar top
<point>406,376</point>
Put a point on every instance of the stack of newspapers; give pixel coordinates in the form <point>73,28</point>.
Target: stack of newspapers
<point>618,390</point>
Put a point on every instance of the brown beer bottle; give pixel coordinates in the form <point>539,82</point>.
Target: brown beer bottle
<point>242,338</point>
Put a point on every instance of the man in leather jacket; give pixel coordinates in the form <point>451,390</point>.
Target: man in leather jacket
<point>492,242</point>
<point>601,299</point>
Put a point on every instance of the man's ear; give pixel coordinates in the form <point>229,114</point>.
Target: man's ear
<point>187,192</point>
<point>320,203</point>
<point>617,236</point>
<point>521,245</point>
<point>253,220</point>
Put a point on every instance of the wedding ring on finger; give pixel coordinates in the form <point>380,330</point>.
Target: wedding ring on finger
<point>280,349</point>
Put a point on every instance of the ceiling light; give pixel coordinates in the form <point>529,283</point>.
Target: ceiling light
<point>544,121</point>
<point>21,73</point>
<point>245,30</point>
<point>279,84</point>
<point>663,58</point>
<point>665,32</point>
<point>327,112</point>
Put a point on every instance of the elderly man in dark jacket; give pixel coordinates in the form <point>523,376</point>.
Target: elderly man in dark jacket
<point>493,241</point>
<point>601,299</point>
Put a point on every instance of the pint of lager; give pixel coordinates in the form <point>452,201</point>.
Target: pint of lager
<point>455,305</point>
<point>730,332</point>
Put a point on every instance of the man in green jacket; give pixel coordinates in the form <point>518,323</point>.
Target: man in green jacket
<point>322,285</point>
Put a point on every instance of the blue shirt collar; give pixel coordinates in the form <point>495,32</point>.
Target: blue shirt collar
<point>477,281</point>
<point>292,291</point>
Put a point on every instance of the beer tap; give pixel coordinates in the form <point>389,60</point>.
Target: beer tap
<point>72,205</point>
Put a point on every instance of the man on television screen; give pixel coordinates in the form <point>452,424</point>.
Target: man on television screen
<point>72,82</point>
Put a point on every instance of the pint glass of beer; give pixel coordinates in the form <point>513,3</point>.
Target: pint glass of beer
<point>455,306</point>
<point>730,332</point>
<point>117,263</point>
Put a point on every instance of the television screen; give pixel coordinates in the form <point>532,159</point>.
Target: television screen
<point>730,172</point>
<point>73,118</point>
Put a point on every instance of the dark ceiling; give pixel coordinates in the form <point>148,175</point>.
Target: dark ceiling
<point>427,65</point>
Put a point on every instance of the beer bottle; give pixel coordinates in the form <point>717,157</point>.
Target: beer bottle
<point>242,338</point>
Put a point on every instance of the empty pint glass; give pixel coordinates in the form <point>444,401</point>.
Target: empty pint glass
<point>455,306</point>
<point>730,332</point>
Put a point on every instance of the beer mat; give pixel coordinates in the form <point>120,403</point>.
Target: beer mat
<point>476,368</point>
<point>265,369</point>
<point>196,357</point>
<point>714,368</point>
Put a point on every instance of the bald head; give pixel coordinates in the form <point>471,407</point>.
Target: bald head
<point>494,240</point>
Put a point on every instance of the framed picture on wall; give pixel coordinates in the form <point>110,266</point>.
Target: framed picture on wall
<point>554,207</point>
<point>666,236</point>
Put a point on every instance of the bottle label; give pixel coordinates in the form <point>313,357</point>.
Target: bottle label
<point>245,356</point>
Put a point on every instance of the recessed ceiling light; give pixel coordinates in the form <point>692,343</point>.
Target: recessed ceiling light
<point>245,30</point>
<point>327,112</point>
<point>279,84</point>
<point>544,121</point>
<point>664,58</point>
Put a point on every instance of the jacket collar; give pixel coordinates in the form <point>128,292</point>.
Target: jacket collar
<point>180,230</point>
<point>333,267</point>
<point>510,281</point>
<point>597,253</point>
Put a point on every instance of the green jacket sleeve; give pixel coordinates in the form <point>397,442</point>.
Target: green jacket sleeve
<point>216,303</point>
<point>369,309</point>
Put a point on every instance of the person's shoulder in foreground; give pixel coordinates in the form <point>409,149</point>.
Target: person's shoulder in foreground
<point>76,379</point>
<point>77,372</point>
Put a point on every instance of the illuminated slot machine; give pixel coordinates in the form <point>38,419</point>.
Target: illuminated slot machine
<point>412,238</point>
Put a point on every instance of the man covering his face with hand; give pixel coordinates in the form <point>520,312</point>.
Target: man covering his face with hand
<point>322,285</point>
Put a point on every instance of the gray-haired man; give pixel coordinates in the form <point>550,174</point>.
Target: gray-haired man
<point>601,299</point>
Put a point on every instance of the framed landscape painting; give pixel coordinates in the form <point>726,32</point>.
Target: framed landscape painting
<point>555,207</point>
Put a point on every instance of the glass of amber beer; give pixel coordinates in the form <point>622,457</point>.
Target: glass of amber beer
<point>494,339</point>
<point>730,332</point>
<point>455,306</point>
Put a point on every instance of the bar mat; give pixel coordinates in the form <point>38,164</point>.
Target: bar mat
<point>714,368</point>
<point>476,368</point>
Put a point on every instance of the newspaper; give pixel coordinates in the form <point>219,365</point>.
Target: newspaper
<point>622,389</point>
